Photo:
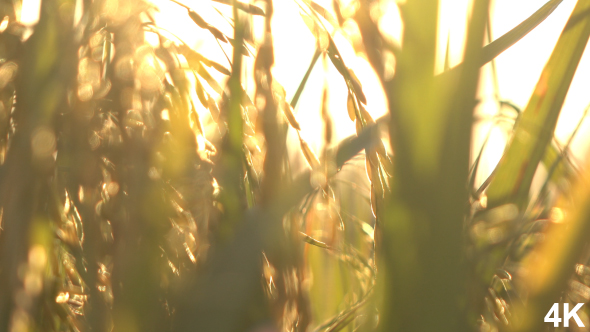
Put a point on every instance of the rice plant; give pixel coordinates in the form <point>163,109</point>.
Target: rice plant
<point>147,184</point>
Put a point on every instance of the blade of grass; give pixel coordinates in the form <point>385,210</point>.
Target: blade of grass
<point>495,48</point>
<point>501,44</point>
<point>535,128</point>
<point>315,58</point>
<point>557,168</point>
<point>563,169</point>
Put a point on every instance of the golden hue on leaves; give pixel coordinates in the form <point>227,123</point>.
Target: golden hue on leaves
<point>147,185</point>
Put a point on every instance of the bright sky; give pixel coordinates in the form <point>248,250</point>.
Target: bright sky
<point>518,68</point>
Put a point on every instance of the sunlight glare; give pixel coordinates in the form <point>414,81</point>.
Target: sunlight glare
<point>518,68</point>
<point>30,12</point>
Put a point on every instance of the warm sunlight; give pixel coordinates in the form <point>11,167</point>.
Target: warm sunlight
<point>518,68</point>
<point>294,165</point>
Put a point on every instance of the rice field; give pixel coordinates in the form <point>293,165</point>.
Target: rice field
<point>288,165</point>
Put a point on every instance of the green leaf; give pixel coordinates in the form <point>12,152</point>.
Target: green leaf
<point>495,48</point>
<point>535,128</point>
<point>501,44</point>
<point>305,78</point>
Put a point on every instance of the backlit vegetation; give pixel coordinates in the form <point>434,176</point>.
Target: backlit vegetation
<point>147,185</point>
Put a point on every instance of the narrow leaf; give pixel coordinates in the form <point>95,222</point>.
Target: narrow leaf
<point>311,158</point>
<point>534,130</point>
<point>495,48</point>
<point>305,78</point>
<point>499,45</point>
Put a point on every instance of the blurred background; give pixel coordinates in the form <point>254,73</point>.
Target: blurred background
<point>517,70</point>
<point>139,209</point>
